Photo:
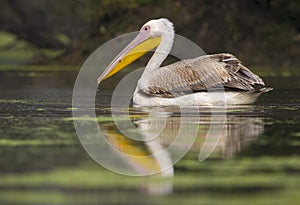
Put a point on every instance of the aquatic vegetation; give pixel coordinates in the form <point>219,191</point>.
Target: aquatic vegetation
<point>43,162</point>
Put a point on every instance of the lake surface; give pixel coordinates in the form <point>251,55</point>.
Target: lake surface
<point>241,155</point>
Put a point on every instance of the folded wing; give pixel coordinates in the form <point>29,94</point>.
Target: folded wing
<point>200,74</point>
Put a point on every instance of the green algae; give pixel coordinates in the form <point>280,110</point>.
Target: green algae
<point>216,181</point>
<point>43,163</point>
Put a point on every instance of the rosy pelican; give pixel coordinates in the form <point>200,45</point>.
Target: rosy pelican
<point>185,82</point>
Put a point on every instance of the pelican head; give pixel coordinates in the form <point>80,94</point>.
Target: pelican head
<point>149,37</point>
<point>157,27</point>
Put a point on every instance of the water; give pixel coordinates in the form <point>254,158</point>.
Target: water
<point>251,153</point>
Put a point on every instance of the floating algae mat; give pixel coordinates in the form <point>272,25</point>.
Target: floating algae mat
<point>256,159</point>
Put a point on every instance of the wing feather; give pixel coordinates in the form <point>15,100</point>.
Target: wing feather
<point>200,74</point>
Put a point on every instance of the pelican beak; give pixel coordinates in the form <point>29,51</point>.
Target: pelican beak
<point>138,47</point>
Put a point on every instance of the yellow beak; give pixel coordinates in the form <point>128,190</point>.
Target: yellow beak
<point>139,46</point>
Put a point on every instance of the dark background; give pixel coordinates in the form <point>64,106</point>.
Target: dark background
<point>264,34</point>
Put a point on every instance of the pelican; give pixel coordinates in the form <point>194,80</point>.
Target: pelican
<point>188,82</point>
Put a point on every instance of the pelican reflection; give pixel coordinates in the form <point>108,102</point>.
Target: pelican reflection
<point>220,135</point>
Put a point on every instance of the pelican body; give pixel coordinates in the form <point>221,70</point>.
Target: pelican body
<point>205,80</point>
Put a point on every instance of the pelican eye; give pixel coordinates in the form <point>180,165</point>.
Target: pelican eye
<point>146,28</point>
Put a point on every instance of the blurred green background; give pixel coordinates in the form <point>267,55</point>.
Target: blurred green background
<point>264,34</point>
<point>43,44</point>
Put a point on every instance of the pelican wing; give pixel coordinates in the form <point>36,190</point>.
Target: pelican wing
<point>200,74</point>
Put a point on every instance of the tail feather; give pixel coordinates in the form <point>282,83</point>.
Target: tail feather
<point>264,89</point>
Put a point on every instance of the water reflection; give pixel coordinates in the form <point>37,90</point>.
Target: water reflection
<point>220,135</point>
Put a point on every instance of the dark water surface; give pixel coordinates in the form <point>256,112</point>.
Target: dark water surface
<point>253,158</point>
